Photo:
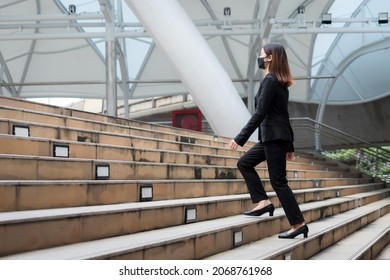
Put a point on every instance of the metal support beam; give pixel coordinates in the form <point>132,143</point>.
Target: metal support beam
<point>315,26</point>
<point>331,30</point>
<point>121,49</point>
<point>4,71</point>
<point>125,34</point>
<point>111,86</point>
<point>50,17</point>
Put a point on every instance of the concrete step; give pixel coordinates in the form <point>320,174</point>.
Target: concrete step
<point>130,139</point>
<point>24,167</point>
<point>130,128</point>
<point>366,243</point>
<point>384,254</point>
<point>197,240</point>
<point>322,234</point>
<point>47,148</point>
<point>31,106</point>
<point>44,194</point>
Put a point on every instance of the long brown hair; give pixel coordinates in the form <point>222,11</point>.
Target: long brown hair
<point>279,64</point>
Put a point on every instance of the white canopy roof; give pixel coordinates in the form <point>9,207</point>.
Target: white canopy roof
<point>46,51</point>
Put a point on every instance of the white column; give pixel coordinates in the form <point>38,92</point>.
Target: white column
<point>191,57</point>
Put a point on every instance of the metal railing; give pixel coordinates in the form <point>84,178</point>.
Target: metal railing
<point>368,158</point>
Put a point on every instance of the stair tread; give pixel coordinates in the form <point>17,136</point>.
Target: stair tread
<point>92,181</point>
<point>265,247</point>
<point>384,254</point>
<point>29,215</point>
<point>67,212</point>
<point>263,167</point>
<point>110,246</point>
<point>348,247</point>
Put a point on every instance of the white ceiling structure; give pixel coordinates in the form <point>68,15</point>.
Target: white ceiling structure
<point>46,50</point>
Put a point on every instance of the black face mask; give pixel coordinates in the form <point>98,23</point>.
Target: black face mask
<point>260,62</point>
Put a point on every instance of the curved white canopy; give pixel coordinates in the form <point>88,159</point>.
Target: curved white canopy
<point>47,52</point>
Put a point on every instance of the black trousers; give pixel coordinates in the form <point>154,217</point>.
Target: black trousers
<point>274,153</point>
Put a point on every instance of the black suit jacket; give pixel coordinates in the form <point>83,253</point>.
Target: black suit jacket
<point>271,115</point>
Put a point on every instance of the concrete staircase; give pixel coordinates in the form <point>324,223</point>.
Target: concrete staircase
<point>77,185</point>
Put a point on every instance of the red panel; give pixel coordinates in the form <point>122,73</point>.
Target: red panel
<point>187,119</point>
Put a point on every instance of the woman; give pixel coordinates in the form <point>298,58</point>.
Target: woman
<point>275,141</point>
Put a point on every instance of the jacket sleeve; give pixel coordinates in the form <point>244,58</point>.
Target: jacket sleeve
<point>265,97</point>
<point>291,148</point>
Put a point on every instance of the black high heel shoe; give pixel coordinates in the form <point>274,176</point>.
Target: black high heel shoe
<point>270,208</point>
<point>301,230</point>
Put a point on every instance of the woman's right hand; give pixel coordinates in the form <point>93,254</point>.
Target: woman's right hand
<point>233,145</point>
<point>290,156</point>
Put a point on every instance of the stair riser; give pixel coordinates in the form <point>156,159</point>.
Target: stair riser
<point>19,168</point>
<point>24,196</point>
<point>30,197</point>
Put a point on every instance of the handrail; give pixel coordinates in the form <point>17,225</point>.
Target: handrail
<point>338,134</point>
<point>367,157</point>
